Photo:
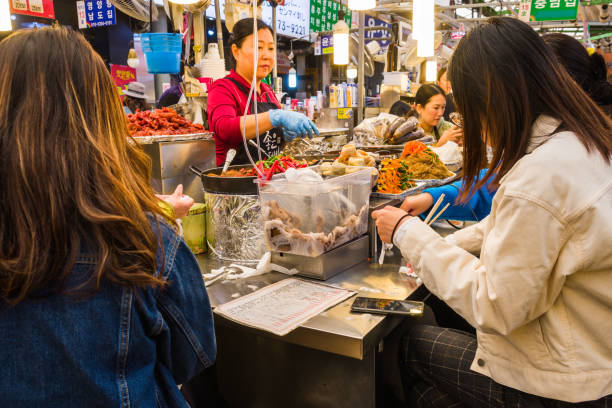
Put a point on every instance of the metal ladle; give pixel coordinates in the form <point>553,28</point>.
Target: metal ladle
<point>231,153</point>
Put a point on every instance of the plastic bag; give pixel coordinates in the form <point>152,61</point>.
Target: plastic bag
<point>372,131</point>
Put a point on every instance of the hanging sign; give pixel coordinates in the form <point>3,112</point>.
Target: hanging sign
<point>524,10</point>
<point>122,75</point>
<point>36,8</point>
<point>373,35</point>
<point>324,14</point>
<point>282,62</point>
<point>327,44</point>
<point>292,19</point>
<point>95,13</point>
<point>553,10</point>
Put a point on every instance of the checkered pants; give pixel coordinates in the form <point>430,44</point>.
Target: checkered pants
<point>435,365</point>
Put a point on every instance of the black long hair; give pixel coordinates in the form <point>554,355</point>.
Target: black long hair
<point>590,72</point>
<point>240,32</point>
<point>424,95</point>
<point>504,77</point>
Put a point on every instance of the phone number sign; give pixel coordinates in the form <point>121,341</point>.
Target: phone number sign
<point>292,19</point>
<point>96,13</point>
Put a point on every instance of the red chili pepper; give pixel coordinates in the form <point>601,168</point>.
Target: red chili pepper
<point>272,170</point>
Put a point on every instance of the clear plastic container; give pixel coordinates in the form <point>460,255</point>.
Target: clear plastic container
<point>312,217</point>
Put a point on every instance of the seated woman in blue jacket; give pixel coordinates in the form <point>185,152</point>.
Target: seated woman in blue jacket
<point>101,302</point>
<point>477,208</point>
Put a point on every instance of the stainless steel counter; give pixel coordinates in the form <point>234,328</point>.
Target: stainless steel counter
<point>333,131</point>
<point>337,330</point>
<point>171,157</point>
<point>334,359</point>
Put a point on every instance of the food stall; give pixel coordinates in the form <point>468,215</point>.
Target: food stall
<point>315,231</point>
<point>291,242</point>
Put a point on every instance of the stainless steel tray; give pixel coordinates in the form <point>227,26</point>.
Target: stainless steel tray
<point>173,138</point>
<point>329,263</point>
<point>420,186</point>
<point>438,182</point>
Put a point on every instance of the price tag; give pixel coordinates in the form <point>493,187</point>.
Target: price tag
<point>36,8</point>
<point>345,113</point>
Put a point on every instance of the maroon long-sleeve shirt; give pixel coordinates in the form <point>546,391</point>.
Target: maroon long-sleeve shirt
<point>226,104</point>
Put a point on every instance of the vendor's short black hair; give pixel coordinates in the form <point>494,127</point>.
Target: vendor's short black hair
<point>241,30</point>
<point>400,108</point>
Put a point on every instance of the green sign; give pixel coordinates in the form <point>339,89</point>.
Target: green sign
<point>324,14</point>
<point>550,10</point>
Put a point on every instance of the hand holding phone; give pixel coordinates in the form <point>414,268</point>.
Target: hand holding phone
<point>387,306</point>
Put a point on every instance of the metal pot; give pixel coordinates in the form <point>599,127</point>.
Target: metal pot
<point>226,185</point>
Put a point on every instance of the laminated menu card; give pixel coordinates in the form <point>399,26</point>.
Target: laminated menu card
<point>283,306</point>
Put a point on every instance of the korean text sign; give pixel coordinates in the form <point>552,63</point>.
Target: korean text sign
<point>96,13</point>
<point>292,18</point>
<point>551,10</point>
<point>374,34</point>
<point>122,75</point>
<point>324,14</point>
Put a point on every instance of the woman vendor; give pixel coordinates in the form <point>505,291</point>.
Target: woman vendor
<point>227,100</point>
<point>430,102</point>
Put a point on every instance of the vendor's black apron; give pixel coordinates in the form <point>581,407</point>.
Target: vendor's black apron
<point>270,141</point>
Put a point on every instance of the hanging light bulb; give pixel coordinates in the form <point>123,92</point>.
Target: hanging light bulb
<point>292,77</point>
<point>423,27</point>
<point>416,21</point>
<point>351,71</point>
<point>361,4</point>
<point>431,70</point>
<point>5,16</point>
<point>341,43</point>
<point>132,59</point>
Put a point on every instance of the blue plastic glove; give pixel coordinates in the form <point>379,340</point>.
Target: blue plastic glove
<point>294,124</point>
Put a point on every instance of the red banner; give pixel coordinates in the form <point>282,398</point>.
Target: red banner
<point>36,8</point>
<point>122,75</point>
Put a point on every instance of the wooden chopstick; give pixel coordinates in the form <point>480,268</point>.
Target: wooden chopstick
<point>439,214</point>
<point>433,210</point>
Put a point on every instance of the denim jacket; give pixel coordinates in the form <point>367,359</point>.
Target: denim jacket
<point>116,348</point>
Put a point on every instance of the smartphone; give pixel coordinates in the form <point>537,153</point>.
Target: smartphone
<point>387,306</point>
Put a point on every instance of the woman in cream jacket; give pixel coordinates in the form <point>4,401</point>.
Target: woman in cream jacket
<point>534,277</point>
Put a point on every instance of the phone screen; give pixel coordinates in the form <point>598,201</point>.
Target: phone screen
<point>375,305</point>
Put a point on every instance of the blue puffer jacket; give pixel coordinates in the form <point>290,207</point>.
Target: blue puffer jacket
<point>116,348</point>
<point>477,208</point>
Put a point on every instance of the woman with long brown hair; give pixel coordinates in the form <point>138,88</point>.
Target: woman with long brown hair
<point>538,295</point>
<point>102,304</point>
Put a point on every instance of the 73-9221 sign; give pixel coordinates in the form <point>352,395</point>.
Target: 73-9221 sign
<point>292,18</point>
